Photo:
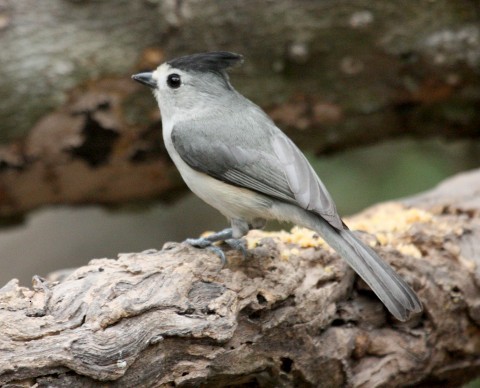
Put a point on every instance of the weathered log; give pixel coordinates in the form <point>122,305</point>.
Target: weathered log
<point>291,314</point>
<point>333,75</point>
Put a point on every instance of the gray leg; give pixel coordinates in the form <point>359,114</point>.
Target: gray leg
<point>239,229</point>
<point>258,223</point>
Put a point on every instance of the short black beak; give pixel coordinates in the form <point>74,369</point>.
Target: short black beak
<point>146,79</point>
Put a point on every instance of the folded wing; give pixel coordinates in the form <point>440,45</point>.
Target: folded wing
<point>262,159</point>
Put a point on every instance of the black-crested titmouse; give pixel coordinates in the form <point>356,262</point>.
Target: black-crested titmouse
<point>231,154</point>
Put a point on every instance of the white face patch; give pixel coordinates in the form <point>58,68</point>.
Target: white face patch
<point>160,75</point>
<point>166,97</point>
<point>155,75</point>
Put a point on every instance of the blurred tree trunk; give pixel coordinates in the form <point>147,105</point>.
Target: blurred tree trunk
<point>333,74</point>
<point>289,315</point>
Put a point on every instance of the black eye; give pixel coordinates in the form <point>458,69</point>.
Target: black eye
<point>174,81</point>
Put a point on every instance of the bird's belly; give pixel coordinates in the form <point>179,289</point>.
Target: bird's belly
<point>231,201</point>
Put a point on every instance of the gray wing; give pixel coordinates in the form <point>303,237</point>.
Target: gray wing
<point>258,157</point>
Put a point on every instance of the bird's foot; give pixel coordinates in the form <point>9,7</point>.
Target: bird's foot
<point>224,235</point>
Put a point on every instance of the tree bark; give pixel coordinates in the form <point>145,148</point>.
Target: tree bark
<point>291,314</point>
<point>332,74</point>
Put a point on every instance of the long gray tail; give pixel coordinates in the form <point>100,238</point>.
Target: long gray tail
<point>392,290</point>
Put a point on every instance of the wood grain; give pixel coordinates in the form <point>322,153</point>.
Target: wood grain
<point>291,314</point>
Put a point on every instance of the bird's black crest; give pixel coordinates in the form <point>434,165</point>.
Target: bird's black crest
<point>215,61</point>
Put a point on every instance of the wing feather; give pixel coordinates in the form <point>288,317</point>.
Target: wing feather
<point>260,159</point>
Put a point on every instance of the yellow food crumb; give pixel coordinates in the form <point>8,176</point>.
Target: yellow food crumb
<point>382,238</point>
<point>285,255</point>
<point>389,217</point>
<point>328,269</point>
<point>409,249</point>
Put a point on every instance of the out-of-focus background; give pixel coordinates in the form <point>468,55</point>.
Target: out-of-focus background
<point>384,98</point>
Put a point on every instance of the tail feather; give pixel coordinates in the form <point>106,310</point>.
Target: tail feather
<point>391,289</point>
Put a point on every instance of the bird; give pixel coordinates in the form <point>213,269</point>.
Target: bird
<point>232,155</point>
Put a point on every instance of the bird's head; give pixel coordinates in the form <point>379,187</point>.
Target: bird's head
<point>190,84</point>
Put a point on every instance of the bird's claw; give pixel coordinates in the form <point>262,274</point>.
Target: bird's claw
<point>218,251</point>
<point>206,243</point>
<point>239,245</point>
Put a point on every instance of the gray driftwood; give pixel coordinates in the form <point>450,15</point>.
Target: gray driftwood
<point>292,314</point>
